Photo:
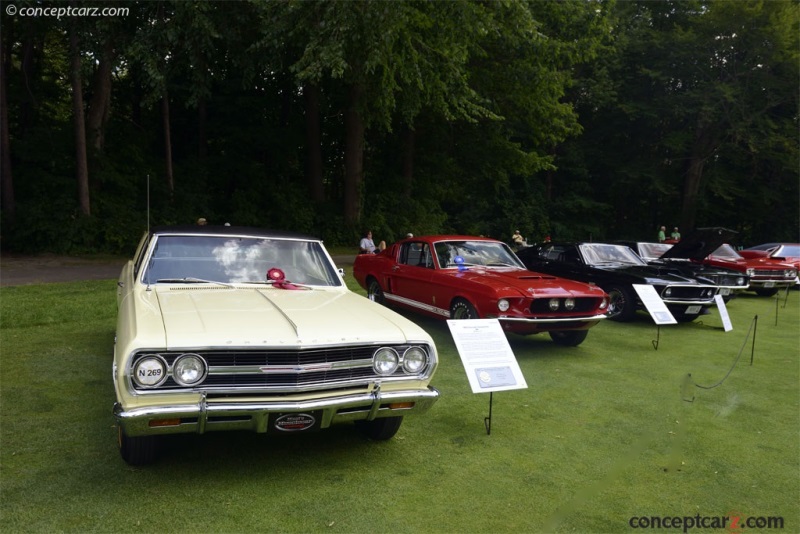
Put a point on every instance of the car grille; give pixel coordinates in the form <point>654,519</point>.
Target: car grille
<point>726,280</point>
<point>582,305</point>
<point>282,371</point>
<point>770,274</point>
<point>693,293</point>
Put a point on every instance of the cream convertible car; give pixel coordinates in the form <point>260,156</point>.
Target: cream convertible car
<point>226,328</point>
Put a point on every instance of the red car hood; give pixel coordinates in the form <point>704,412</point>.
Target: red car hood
<point>527,283</point>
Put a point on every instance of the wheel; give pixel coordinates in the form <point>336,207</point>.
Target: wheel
<point>374,291</point>
<point>462,309</point>
<point>761,292</point>
<point>139,450</point>
<point>621,305</point>
<point>380,429</point>
<point>569,338</point>
<point>685,317</point>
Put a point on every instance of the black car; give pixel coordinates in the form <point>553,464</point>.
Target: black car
<point>616,268</point>
<point>728,281</point>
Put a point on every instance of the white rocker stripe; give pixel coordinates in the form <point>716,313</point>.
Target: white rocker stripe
<point>414,304</point>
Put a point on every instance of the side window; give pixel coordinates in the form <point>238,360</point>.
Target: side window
<point>552,253</point>
<point>412,254</point>
<point>426,260</point>
<point>141,250</point>
<point>570,255</point>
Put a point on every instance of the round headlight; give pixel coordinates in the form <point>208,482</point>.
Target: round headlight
<point>150,371</point>
<point>603,303</point>
<point>790,273</point>
<point>385,361</point>
<point>414,360</point>
<point>502,305</point>
<point>189,369</point>
<point>553,304</point>
<point>740,281</point>
<point>750,272</point>
<point>569,304</point>
<point>668,292</point>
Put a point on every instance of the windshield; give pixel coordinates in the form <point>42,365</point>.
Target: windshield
<point>787,251</point>
<point>484,253</point>
<point>602,254</point>
<point>230,259</point>
<point>652,251</point>
<point>726,252</point>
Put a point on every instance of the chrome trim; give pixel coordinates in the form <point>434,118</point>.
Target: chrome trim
<point>255,414</point>
<point>414,304</point>
<point>558,320</point>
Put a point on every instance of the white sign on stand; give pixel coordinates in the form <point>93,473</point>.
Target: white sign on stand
<point>654,305</point>
<point>723,313</point>
<point>486,355</point>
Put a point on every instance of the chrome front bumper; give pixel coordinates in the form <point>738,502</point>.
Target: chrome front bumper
<point>209,415</point>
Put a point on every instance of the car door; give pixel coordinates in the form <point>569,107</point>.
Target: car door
<point>412,274</point>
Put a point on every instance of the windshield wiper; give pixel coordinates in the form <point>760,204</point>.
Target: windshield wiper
<point>190,280</point>
<point>500,264</point>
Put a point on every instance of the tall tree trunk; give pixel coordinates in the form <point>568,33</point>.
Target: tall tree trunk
<point>353,156</point>
<point>7,189</point>
<point>167,143</point>
<point>100,103</point>
<point>702,148</point>
<point>409,143</point>
<point>81,165</point>
<point>313,144</point>
<point>202,121</point>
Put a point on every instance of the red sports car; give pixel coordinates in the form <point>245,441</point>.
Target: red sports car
<point>465,277</point>
<point>707,246</point>
<point>780,252</point>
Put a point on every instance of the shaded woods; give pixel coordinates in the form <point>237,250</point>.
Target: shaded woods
<point>573,119</point>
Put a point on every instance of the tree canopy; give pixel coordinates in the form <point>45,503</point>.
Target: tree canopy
<point>575,119</point>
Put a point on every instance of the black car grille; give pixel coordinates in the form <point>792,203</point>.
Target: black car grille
<point>280,371</point>
<point>582,305</point>
<point>688,293</point>
<point>725,280</point>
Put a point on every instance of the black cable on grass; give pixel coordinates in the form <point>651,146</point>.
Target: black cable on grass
<point>688,382</point>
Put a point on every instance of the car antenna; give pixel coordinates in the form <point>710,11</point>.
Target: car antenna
<point>148,204</point>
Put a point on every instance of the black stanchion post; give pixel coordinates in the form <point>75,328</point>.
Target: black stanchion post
<point>777,300</point>
<point>753,347</point>
<point>487,421</point>
<point>658,337</point>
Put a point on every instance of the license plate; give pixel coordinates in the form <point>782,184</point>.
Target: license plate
<point>295,422</point>
<point>769,284</point>
<point>693,310</point>
<point>725,291</point>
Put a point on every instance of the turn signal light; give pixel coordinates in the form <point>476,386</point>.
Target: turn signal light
<point>164,422</point>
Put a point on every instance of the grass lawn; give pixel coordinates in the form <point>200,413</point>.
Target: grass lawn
<point>606,431</point>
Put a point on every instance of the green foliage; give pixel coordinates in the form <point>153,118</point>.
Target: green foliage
<point>569,118</point>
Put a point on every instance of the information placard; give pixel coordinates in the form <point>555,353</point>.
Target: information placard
<point>486,355</point>
<point>723,313</point>
<point>654,305</point>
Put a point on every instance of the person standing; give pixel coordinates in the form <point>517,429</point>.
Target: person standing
<point>517,239</point>
<point>676,235</point>
<point>662,234</point>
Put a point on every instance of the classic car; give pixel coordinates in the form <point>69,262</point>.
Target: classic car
<point>466,277</point>
<point>781,252</point>
<point>708,246</point>
<point>616,268</point>
<point>233,328</point>
<point>728,281</point>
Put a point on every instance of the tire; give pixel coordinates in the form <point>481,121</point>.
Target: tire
<point>374,291</point>
<point>380,429</point>
<point>686,318</point>
<point>621,304</point>
<point>569,338</point>
<point>761,292</point>
<point>139,450</point>
<point>462,309</point>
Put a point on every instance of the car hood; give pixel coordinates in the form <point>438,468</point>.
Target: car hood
<point>700,243</point>
<point>527,283</point>
<point>236,317</point>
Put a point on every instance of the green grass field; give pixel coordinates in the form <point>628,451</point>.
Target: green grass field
<point>607,431</point>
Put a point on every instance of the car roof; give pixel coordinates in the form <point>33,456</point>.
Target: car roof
<point>194,229</point>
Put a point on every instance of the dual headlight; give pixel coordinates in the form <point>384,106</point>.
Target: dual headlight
<point>187,370</point>
<point>387,360</point>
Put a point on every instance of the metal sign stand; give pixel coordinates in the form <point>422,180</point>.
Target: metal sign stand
<point>658,336</point>
<point>487,421</point>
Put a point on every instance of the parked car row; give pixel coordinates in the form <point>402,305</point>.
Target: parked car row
<point>232,328</point>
